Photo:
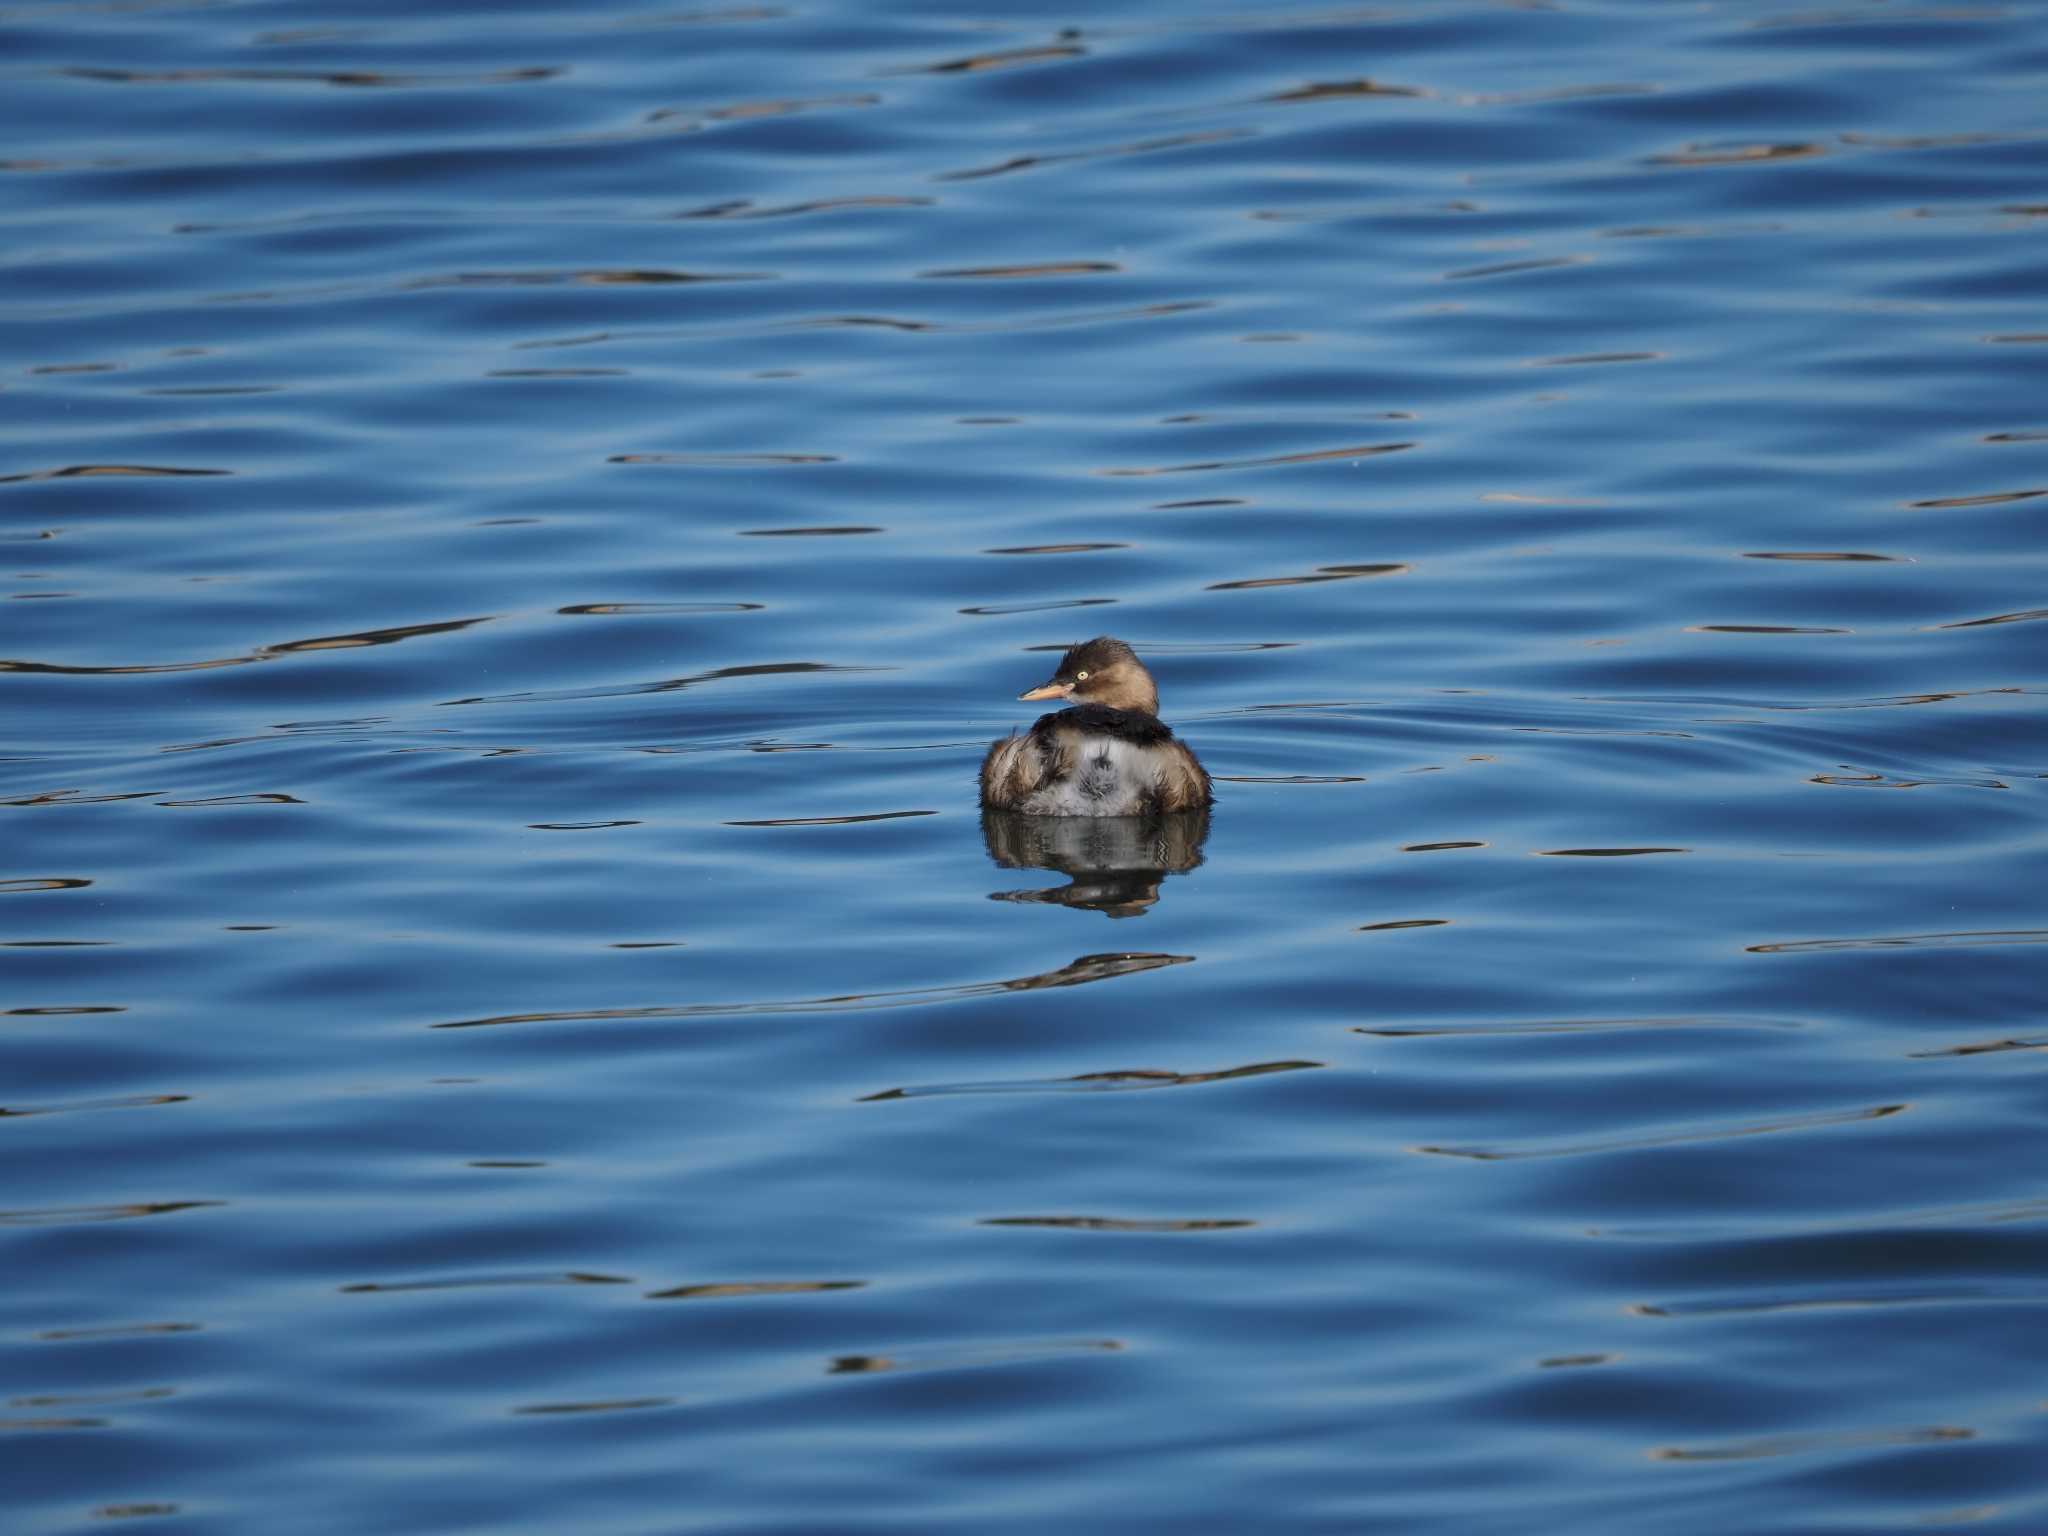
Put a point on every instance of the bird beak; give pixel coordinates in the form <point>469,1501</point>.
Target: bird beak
<point>1052,690</point>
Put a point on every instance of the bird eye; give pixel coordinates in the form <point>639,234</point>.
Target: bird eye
<point>1080,677</point>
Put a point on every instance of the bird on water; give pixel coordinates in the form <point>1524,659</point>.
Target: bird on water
<point>1108,754</point>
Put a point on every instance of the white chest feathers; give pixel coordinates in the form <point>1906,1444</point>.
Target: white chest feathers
<point>1110,777</point>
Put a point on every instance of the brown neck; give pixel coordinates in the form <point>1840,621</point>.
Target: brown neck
<point>1128,687</point>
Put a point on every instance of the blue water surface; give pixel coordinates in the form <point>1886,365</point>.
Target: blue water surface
<point>520,521</point>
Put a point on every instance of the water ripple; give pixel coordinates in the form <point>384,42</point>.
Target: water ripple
<point>1361,451</point>
<point>1966,940</point>
<point>1793,1123</point>
<point>1807,1445</point>
<point>1077,972</point>
<point>65,1215</point>
<point>1093,1082</point>
<point>1119,1223</point>
<point>731,1289</point>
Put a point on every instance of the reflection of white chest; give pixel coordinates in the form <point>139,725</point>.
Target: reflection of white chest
<point>1109,778</point>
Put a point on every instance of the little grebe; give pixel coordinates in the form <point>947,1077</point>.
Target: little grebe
<point>1108,755</point>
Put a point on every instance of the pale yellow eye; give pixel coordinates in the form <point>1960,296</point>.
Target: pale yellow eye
<point>1080,677</point>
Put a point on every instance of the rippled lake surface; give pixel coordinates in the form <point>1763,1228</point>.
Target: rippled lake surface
<point>519,523</point>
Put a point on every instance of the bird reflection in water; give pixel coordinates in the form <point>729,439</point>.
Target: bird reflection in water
<point>1116,864</point>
